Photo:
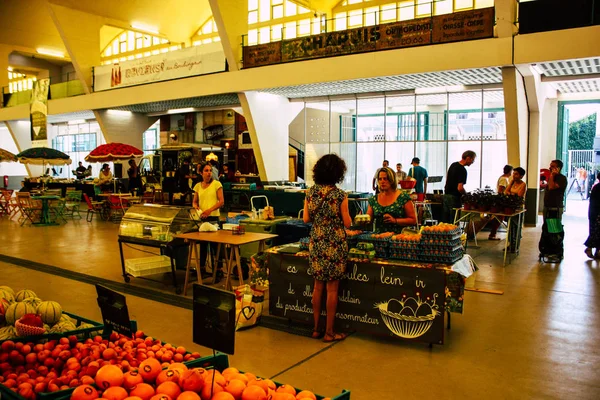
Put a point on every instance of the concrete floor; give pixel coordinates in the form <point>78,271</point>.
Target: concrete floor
<point>537,340</point>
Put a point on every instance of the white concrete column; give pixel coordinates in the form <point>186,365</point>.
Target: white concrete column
<point>506,15</point>
<point>517,116</point>
<point>268,122</point>
<point>21,134</point>
<point>123,126</point>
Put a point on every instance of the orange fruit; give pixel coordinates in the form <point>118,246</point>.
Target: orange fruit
<point>115,393</point>
<point>254,392</point>
<point>286,389</point>
<point>188,396</point>
<point>84,392</point>
<point>169,388</point>
<point>132,378</point>
<point>149,369</point>
<point>236,388</point>
<point>306,394</point>
<point>161,397</point>
<point>109,375</point>
<point>168,375</point>
<point>143,391</point>
<point>223,396</point>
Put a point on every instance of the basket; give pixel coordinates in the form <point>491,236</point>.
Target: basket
<point>407,327</point>
<point>408,184</point>
<point>148,265</point>
<point>28,330</point>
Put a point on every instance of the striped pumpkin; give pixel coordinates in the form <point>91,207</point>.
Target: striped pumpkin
<point>33,301</point>
<point>6,295</point>
<point>23,294</point>
<point>50,312</point>
<point>16,310</point>
<point>8,289</point>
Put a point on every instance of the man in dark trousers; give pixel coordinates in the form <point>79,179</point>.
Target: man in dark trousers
<point>555,191</point>
<point>456,179</point>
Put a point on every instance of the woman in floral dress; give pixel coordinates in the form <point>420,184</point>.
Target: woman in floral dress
<point>391,209</point>
<point>327,207</point>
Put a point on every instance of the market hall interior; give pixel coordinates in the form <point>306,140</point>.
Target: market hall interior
<point>502,94</point>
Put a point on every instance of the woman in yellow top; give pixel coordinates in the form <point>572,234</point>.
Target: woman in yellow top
<point>208,199</point>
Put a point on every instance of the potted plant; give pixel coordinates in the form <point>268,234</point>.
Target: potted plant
<point>497,203</point>
<point>512,202</point>
<point>468,201</point>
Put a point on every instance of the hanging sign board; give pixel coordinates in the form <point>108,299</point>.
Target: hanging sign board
<point>39,112</point>
<point>389,300</point>
<point>214,318</point>
<point>114,310</point>
<point>263,54</point>
<point>465,25</point>
<point>191,61</point>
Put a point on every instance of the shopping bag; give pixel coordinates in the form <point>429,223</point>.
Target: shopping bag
<point>248,306</point>
<point>554,225</point>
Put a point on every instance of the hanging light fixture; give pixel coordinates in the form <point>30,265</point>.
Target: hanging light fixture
<point>212,157</point>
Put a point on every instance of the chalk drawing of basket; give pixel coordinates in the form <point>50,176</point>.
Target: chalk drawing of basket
<point>406,326</point>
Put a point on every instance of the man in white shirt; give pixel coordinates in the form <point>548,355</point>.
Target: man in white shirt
<point>504,179</point>
<point>400,175</point>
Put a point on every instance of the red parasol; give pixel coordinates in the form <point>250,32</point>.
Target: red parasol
<point>113,152</point>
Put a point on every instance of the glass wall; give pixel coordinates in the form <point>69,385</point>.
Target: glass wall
<point>76,140</point>
<point>437,128</point>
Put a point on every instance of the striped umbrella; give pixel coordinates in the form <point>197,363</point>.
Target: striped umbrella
<point>113,152</point>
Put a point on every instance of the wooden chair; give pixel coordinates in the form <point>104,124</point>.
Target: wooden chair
<point>117,207</point>
<point>30,210</point>
<point>6,207</point>
<point>93,207</point>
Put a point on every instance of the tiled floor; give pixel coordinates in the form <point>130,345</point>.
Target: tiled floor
<point>537,340</point>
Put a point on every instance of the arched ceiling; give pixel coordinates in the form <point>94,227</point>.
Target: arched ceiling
<point>178,20</point>
<point>27,24</point>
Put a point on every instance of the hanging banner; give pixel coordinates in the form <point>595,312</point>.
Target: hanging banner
<point>39,112</point>
<point>191,61</point>
<point>466,25</point>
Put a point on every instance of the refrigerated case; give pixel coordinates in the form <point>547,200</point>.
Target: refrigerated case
<point>156,226</point>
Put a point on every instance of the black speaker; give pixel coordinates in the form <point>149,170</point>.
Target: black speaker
<point>118,170</point>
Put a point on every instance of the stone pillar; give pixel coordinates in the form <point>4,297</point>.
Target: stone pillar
<point>123,126</point>
<point>506,15</point>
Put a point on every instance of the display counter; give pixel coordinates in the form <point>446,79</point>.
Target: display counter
<point>394,298</point>
<point>284,203</point>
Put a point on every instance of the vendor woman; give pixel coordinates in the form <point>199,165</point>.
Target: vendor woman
<point>391,209</point>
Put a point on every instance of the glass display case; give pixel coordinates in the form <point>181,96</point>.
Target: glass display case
<point>155,223</point>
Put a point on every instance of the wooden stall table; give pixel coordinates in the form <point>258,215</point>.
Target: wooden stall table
<point>503,218</point>
<point>222,238</point>
<point>393,298</point>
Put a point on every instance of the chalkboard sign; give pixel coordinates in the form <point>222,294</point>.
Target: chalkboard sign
<point>114,310</point>
<point>391,300</point>
<point>214,318</point>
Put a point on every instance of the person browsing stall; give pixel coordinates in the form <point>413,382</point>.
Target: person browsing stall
<point>504,179</point>
<point>385,164</point>
<point>593,240</point>
<point>419,174</point>
<point>326,206</point>
<point>135,180</point>
<point>105,177</point>
<point>208,199</point>
<point>516,187</point>
<point>400,175</point>
<point>456,179</point>
<point>390,209</point>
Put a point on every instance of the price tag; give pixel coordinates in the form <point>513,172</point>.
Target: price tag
<point>115,314</point>
<point>214,318</point>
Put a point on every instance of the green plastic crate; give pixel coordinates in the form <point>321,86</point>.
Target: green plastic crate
<point>221,361</point>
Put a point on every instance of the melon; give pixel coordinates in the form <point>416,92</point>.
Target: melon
<point>34,301</point>
<point>8,296</point>
<point>16,310</point>
<point>23,294</point>
<point>50,311</point>
<point>8,289</point>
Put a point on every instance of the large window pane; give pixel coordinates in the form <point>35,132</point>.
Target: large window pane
<point>343,121</point>
<point>400,152</point>
<point>314,151</point>
<point>433,159</point>
<point>370,121</point>
<point>369,157</point>
<point>455,151</point>
<point>347,151</point>
<point>400,111</point>
<point>494,118</point>
<point>465,118</point>
<point>494,157</point>
<point>317,122</point>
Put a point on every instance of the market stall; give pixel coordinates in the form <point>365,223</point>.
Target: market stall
<point>381,295</point>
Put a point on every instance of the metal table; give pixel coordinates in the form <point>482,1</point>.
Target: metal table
<point>45,217</point>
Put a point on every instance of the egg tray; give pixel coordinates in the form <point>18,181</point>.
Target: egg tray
<point>408,256</point>
<point>394,244</point>
<point>444,247</point>
<point>352,241</point>
<point>304,243</point>
<point>450,258</point>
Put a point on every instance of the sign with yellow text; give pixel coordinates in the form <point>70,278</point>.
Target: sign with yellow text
<point>466,25</point>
